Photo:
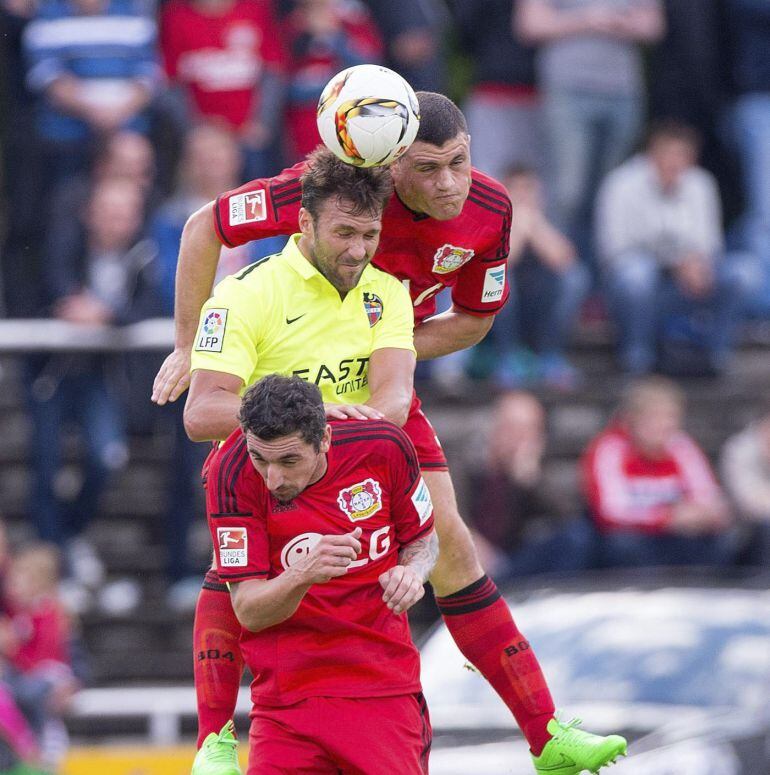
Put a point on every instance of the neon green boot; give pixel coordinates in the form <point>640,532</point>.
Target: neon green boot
<point>570,750</point>
<point>218,755</point>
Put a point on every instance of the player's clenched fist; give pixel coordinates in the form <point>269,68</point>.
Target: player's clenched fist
<point>330,557</point>
<point>403,588</point>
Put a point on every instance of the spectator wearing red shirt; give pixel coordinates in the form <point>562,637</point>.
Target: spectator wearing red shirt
<point>652,495</point>
<point>226,59</point>
<point>323,37</point>
<point>36,641</point>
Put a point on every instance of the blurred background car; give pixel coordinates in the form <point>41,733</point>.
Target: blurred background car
<point>680,664</point>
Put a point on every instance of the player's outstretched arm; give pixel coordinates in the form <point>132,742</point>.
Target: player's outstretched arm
<point>404,584</point>
<point>449,332</point>
<point>259,603</point>
<point>196,267</point>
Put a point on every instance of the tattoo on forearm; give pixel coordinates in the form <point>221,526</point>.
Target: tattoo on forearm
<point>421,555</point>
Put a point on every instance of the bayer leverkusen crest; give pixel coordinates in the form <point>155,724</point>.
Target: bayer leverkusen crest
<point>373,308</point>
<point>448,258</point>
<point>361,500</point>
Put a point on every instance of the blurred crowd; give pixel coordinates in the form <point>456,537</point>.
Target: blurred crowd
<point>632,135</point>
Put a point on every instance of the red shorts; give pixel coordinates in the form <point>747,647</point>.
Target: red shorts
<point>420,431</point>
<point>354,736</point>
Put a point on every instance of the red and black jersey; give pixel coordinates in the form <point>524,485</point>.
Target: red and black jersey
<point>467,253</point>
<point>342,641</point>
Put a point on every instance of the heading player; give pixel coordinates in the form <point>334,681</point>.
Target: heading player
<point>325,534</point>
<point>447,225</point>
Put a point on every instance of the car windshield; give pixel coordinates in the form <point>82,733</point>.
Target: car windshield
<point>695,647</point>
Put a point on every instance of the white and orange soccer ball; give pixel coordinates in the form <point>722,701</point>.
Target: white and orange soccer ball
<point>368,115</point>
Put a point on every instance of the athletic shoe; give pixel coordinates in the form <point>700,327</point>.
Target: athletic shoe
<point>571,750</point>
<point>217,755</point>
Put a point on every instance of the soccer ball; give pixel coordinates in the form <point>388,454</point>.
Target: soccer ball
<point>368,115</point>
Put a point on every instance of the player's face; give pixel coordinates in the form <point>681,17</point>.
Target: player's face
<point>433,179</point>
<point>288,464</point>
<point>340,243</point>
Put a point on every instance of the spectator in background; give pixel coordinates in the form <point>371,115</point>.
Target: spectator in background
<point>502,108</point>
<point>99,281</point>
<point>658,230</point>
<point>322,38</point>
<point>225,61</point>
<point>512,508</point>
<point>745,466</point>
<point>548,284</point>
<point>94,89</point>
<point>750,24</point>
<point>123,155</point>
<point>35,640</point>
<point>651,494</point>
<point>589,72</point>
<point>413,34</point>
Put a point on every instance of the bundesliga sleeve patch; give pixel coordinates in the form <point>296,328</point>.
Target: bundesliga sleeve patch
<point>494,284</point>
<point>232,547</point>
<point>248,207</point>
<point>422,502</point>
<point>211,333</point>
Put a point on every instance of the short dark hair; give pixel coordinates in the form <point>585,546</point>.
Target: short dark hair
<point>368,189</point>
<point>440,119</point>
<point>277,406</point>
<point>671,129</point>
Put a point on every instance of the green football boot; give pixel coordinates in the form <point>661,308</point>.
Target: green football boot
<point>570,750</point>
<point>218,754</point>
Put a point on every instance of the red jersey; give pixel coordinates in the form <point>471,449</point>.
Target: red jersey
<point>627,491</point>
<point>467,253</point>
<point>44,636</point>
<point>342,641</point>
<point>220,58</point>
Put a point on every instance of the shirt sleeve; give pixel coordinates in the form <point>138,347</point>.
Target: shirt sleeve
<point>396,328</point>
<point>229,333</point>
<point>266,207</point>
<point>482,284</point>
<point>240,537</point>
<point>411,506</point>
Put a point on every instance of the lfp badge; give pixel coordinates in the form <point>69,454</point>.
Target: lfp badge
<point>362,500</point>
<point>212,331</point>
<point>373,308</point>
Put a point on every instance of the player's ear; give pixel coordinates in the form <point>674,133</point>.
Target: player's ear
<point>326,441</point>
<point>306,223</point>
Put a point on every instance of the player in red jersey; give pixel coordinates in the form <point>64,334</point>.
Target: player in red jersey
<point>446,225</point>
<point>325,534</point>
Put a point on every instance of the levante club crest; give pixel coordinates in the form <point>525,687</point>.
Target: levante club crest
<point>361,500</point>
<point>373,308</point>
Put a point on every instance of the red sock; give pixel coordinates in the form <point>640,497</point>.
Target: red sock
<point>482,627</point>
<point>217,660</point>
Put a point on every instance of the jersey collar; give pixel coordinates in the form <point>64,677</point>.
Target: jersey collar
<point>306,270</point>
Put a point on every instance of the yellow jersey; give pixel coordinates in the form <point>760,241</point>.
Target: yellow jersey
<point>280,315</point>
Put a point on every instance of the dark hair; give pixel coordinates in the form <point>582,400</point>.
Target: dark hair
<point>671,129</point>
<point>440,119</point>
<point>277,406</point>
<point>368,189</point>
